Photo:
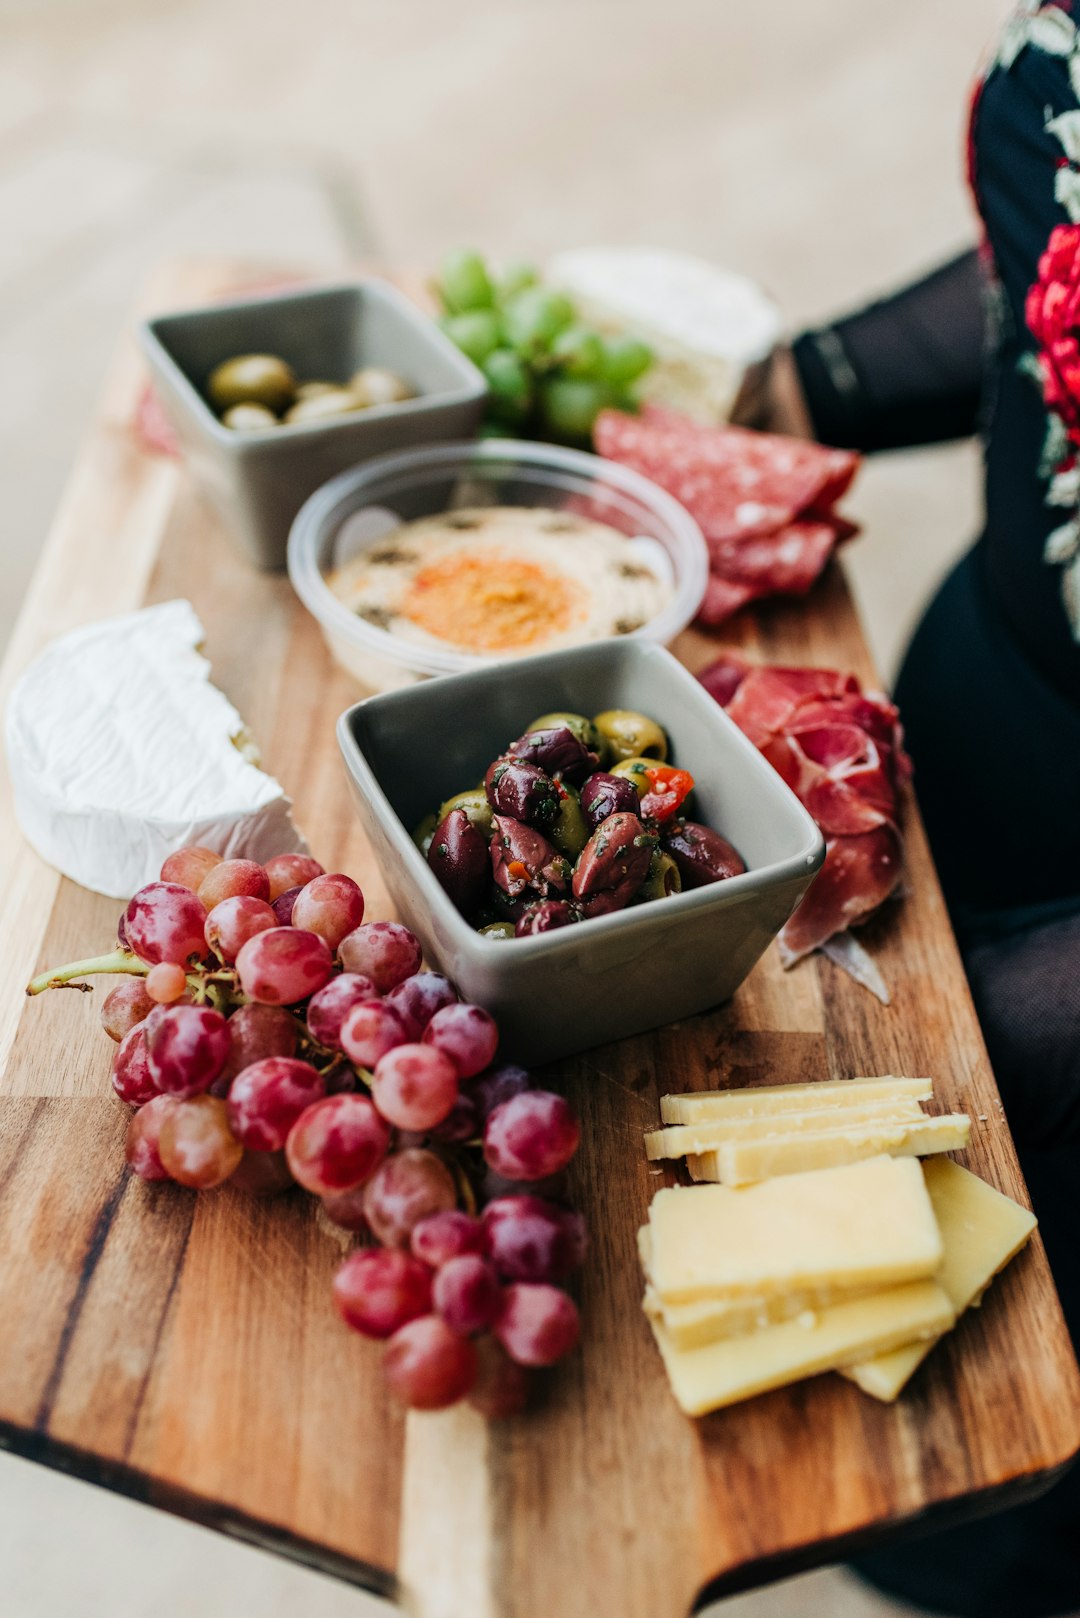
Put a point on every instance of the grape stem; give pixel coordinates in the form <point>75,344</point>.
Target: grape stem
<point>120,960</point>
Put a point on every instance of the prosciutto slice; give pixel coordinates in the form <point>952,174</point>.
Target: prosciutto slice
<point>764,502</point>
<point>841,751</point>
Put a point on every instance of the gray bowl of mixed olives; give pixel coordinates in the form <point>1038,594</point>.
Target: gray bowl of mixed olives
<point>584,841</point>
<point>272,396</point>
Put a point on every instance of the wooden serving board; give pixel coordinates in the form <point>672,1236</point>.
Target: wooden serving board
<point>183,1348</point>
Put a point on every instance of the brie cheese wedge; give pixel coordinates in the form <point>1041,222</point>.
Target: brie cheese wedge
<point>120,751</point>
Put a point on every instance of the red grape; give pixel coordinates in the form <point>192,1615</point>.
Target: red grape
<point>234,877</point>
<point>467,1035</point>
<point>268,1097</point>
<point>407,1188</point>
<point>370,1030</point>
<point>189,866</point>
<point>232,922</point>
<point>346,1208</point>
<point>418,999</point>
<point>282,906</point>
<point>166,982</point>
<point>283,965</point>
<point>331,906</point>
<point>461,1123</point>
<point>427,1366</point>
<point>341,1078</point>
<point>414,1086</point>
<point>142,1149</point>
<point>256,1031</point>
<point>337,1144</point>
<point>327,1010</point>
<point>447,1235</point>
<point>384,951</point>
<point>531,1136</point>
<point>501,1388</point>
<point>187,1047</point>
<point>538,1324</point>
<point>498,1084</point>
<point>262,1174</point>
<point>379,1290</point>
<point>197,1146</point>
<point>467,1294</point>
<point>131,1078</point>
<point>534,1240</point>
<point>164,922</point>
<point>125,1007</point>
<point>287,871</point>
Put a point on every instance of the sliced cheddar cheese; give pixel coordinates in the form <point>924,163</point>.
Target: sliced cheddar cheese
<point>683,1140</point>
<point>741,1163</point>
<point>715,1106</point>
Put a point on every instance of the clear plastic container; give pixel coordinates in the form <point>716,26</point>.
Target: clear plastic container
<point>366,506</point>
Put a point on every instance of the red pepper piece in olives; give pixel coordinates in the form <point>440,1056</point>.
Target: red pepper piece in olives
<point>604,795</point>
<point>613,864</point>
<point>544,917</point>
<point>701,854</point>
<point>458,855</point>
<point>521,858</point>
<point>556,750</point>
<point>522,791</point>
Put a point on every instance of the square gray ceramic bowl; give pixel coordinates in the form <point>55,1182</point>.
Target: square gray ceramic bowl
<point>259,480</point>
<point>564,991</point>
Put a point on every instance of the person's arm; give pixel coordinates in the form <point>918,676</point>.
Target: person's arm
<point>905,370</point>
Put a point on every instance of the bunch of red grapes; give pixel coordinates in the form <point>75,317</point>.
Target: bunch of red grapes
<point>270,1037</point>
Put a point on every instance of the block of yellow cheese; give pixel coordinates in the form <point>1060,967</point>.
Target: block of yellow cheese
<point>721,1373</point>
<point>862,1225</point>
<point>715,1106</point>
<point>982,1230</point>
<point>682,1140</point>
<point>737,1162</point>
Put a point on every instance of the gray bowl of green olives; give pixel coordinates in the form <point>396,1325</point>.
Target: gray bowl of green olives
<point>558,989</point>
<point>272,396</point>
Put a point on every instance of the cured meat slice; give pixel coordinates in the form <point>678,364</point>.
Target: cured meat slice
<point>786,562</point>
<point>152,425</point>
<point>858,875</point>
<point>769,697</point>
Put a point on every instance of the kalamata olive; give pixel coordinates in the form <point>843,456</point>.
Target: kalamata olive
<point>475,804</point>
<point>569,831</point>
<point>544,917</point>
<point>577,724</point>
<point>701,854</point>
<point>375,386</point>
<point>613,864</point>
<point>521,858</point>
<point>662,879</point>
<point>263,379</point>
<point>458,855</point>
<point>324,407</point>
<point>248,417</point>
<point>630,734</point>
<point>604,795</point>
<point>521,791</point>
<point>556,750</point>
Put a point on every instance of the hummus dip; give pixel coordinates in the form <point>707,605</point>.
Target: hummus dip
<point>504,580</point>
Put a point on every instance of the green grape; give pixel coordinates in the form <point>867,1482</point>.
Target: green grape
<point>569,405</point>
<point>625,359</point>
<point>477,333</point>
<point>535,317</point>
<point>514,279</point>
<point>464,282</point>
<point>579,351</point>
<point>511,386</point>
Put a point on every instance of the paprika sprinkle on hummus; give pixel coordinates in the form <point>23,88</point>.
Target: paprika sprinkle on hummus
<point>505,580</point>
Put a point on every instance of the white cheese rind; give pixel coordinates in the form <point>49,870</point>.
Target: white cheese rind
<point>120,750</point>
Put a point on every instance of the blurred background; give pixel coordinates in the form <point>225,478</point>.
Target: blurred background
<point>818,148</point>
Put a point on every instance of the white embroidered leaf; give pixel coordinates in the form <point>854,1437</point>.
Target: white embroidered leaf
<point>1066,127</point>
<point>1064,488</point>
<point>1028,365</point>
<point>1067,192</point>
<point>1070,594</point>
<point>1052,30</point>
<point>1074,74</point>
<point>1055,446</point>
<point>1063,544</point>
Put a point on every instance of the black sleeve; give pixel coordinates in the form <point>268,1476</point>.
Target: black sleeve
<point>906,370</point>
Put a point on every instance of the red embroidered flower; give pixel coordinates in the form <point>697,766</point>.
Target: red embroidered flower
<point>1053,316</point>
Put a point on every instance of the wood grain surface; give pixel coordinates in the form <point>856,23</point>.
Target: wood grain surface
<point>182,1348</point>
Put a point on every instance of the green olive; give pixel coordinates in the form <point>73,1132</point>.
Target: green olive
<point>252,379</point>
<point>325,406</point>
<point>662,878</point>
<point>475,804</point>
<point>374,386</point>
<point>498,929</point>
<point>636,771</point>
<point>631,735</point>
<point>312,390</point>
<point>423,833</point>
<point>569,832</point>
<point>249,418</point>
<point>576,723</point>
